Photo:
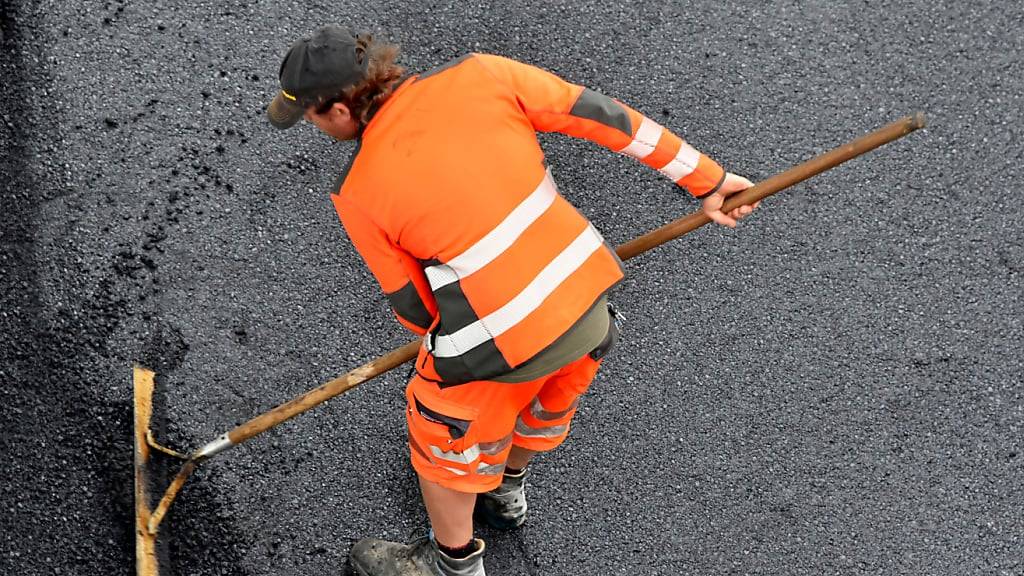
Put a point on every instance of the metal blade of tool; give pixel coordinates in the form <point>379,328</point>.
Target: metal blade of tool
<point>145,541</point>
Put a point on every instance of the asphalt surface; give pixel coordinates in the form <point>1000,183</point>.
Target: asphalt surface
<point>836,387</point>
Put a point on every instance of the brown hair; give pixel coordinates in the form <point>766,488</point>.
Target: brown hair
<point>366,97</point>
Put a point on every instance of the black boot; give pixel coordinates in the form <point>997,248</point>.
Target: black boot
<point>505,506</point>
<point>421,557</point>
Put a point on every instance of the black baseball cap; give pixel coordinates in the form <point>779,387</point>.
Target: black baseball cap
<point>315,70</point>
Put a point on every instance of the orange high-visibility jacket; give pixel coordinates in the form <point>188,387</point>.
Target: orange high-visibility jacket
<point>448,200</point>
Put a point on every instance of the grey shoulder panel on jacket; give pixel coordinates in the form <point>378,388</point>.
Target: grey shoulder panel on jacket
<point>600,108</point>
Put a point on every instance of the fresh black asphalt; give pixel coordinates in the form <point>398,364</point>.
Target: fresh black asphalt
<point>836,387</point>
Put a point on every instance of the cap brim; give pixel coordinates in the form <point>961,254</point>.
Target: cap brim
<point>284,113</point>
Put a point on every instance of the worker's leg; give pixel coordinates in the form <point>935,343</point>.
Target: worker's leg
<point>449,550</point>
<point>451,513</point>
<point>519,457</point>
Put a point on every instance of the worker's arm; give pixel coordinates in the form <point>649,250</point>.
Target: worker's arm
<point>399,274</point>
<point>554,105</point>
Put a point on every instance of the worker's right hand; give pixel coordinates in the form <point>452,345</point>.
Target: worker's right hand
<point>713,203</point>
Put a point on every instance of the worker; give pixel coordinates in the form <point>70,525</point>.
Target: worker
<point>448,200</point>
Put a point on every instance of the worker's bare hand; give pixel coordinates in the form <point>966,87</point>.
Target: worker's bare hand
<point>713,203</point>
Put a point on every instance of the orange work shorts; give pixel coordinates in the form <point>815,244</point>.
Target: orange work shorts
<point>460,436</point>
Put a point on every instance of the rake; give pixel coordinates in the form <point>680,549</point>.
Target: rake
<point>148,518</point>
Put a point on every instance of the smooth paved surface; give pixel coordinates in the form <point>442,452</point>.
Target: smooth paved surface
<point>833,388</point>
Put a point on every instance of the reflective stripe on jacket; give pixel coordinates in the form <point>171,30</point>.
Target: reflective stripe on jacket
<point>448,201</point>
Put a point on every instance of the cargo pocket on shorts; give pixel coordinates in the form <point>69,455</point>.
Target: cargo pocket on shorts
<point>444,433</point>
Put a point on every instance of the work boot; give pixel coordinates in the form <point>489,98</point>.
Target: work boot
<point>505,506</point>
<point>421,557</point>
